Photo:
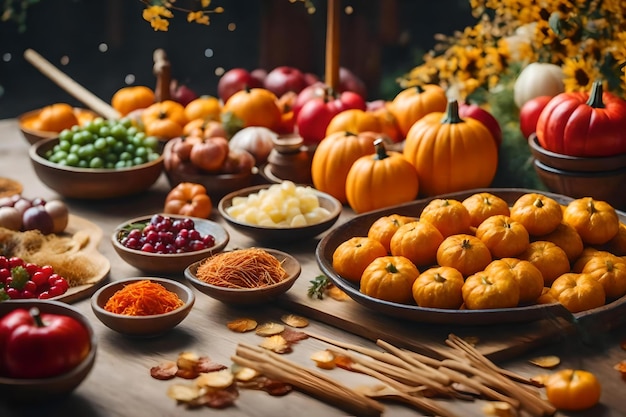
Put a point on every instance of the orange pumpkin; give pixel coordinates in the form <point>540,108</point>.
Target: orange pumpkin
<point>449,216</point>
<point>189,199</point>
<point>595,221</point>
<point>464,252</point>
<point>503,236</point>
<point>413,103</point>
<point>390,278</point>
<point>574,390</point>
<point>357,121</point>
<point>380,180</point>
<point>254,107</point>
<point>439,287</point>
<point>550,259</point>
<point>205,129</point>
<point>568,239</point>
<point>164,119</point>
<point>483,205</point>
<point>488,290</point>
<point>55,118</point>
<point>418,241</point>
<point>351,257</point>
<point>205,108</point>
<point>610,271</point>
<point>538,213</point>
<point>451,154</point>
<point>333,158</point>
<point>385,227</point>
<point>617,245</point>
<point>128,99</point>
<point>527,275</point>
<point>578,292</point>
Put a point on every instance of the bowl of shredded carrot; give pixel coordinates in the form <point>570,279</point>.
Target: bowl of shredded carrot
<point>142,306</point>
<point>245,276</point>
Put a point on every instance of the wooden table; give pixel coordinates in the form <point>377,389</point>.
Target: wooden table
<point>120,385</point>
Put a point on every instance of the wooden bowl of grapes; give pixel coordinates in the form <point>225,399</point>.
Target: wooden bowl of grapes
<point>167,243</point>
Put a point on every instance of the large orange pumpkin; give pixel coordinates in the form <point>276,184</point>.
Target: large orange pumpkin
<point>333,158</point>
<point>413,103</point>
<point>380,180</point>
<point>451,154</point>
<point>255,107</point>
<point>356,120</point>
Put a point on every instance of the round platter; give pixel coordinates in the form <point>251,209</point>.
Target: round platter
<point>359,225</point>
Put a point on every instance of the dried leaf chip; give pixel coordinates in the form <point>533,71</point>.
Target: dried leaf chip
<point>205,364</point>
<point>187,360</point>
<point>621,367</point>
<point>217,398</point>
<point>245,374</point>
<point>547,362</point>
<point>294,320</point>
<point>276,344</point>
<point>242,325</point>
<point>293,336</point>
<point>323,359</point>
<point>164,371</point>
<point>540,380</point>
<point>499,409</point>
<point>343,362</point>
<point>276,388</point>
<point>183,392</point>
<point>269,329</point>
<point>216,380</point>
<point>337,294</point>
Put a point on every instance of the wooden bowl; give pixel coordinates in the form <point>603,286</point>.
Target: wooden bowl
<point>30,390</point>
<point>217,185</point>
<point>92,183</point>
<point>251,296</point>
<point>169,263</point>
<point>601,185</point>
<point>280,234</point>
<point>574,163</point>
<point>26,122</point>
<point>143,326</point>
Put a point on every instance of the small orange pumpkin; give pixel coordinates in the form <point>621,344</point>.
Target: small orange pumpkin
<point>595,221</point>
<point>130,98</point>
<point>449,216</point>
<point>418,241</point>
<point>254,107</point>
<point>351,257</point>
<point>380,180</point>
<point>571,389</point>
<point>333,158</point>
<point>55,118</point>
<point>205,108</point>
<point>439,287</point>
<point>413,103</point>
<point>568,239</point>
<point>390,278</point>
<point>549,258</point>
<point>189,199</point>
<point>610,272</point>
<point>503,236</point>
<point>527,275</point>
<point>483,205</point>
<point>578,292</point>
<point>357,121</point>
<point>451,154</point>
<point>385,227</point>
<point>488,290</point>
<point>464,252</point>
<point>538,213</point>
<point>164,119</point>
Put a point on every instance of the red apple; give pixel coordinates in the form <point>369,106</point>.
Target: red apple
<point>181,93</point>
<point>529,114</point>
<point>234,80</point>
<point>259,75</point>
<point>311,78</point>
<point>348,81</point>
<point>315,90</point>
<point>478,113</point>
<point>283,79</point>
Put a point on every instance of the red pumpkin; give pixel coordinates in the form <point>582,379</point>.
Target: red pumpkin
<point>584,124</point>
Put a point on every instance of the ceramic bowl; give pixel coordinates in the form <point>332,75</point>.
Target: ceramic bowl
<point>142,326</point>
<point>92,183</point>
<point>250,296</point>
<point>574,163</point>
<point>280,234</point>
<point>13,389</point>
<point>27,122</point>
<point>168,263</point>
<point>602,185</point>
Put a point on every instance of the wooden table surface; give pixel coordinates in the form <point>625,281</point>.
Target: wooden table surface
<point>120,384</point>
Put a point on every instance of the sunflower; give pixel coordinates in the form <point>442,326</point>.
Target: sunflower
<point>579,74</point>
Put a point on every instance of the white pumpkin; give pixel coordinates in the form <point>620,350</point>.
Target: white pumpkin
<point>257,140</point>
<point>538,79</point>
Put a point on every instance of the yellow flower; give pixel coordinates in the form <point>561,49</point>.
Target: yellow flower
<point>198,17</point>
<point>579,74</point>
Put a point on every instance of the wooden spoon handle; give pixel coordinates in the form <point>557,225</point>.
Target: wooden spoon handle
<point>78,91</point>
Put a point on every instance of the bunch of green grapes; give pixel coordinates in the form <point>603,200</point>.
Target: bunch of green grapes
<point>101,143</point>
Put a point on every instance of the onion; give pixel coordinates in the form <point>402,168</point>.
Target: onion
<point>257,140</point>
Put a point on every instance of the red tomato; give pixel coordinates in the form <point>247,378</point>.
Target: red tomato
<point>34,345</point>
<point>529,114</point>
<point>478,113</point>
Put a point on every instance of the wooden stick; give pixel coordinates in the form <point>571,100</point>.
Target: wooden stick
<point>332,44</point>
<point>71,86</point>
<point>414,364</point>
<point>480,387</point>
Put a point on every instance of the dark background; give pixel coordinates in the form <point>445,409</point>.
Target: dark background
<point>380,40</point>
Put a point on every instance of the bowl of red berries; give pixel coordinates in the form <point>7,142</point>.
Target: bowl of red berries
<point>20,279</point>
<point>167,243</point>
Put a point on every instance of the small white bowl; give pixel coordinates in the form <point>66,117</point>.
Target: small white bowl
<point>145,326</point>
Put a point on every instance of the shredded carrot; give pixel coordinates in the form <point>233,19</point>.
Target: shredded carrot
<point>243,268</point>
<point>143,298</point>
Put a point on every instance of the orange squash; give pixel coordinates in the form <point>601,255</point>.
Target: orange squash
<point>189,199</point>
<point>568,239</point>
<point>205,108</point>
<point>164,119</point>
<point>418,241</point>
<point>333,158</point>
<point>549,258</point>
<point>527,275</point>
<point>55,118</point>
<point>356,120</point>
<point>578,292</point>
<point>610,272</point>
<point>390,278</point>
<point>595,221</point>
<point>128,99</point>
<point>385,227</point>
<point>449,216</point>
<point>503,236</point>
<point>483,205</point>
<point>439,287</point>
<point>380,180</point>
<point>464,252</point>
<point>413,103</point>
<point>491,289</point>
<point>451,154</point>
<point>538,213</point>
<point>254,107</point>
<point>351,257</point>
<point>573,389</point>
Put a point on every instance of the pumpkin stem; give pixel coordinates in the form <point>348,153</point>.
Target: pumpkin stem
<point>381,152</point>
<point>595,97</point>
<point>452,113</point>
<point>391,268</point>
<point>419,89</point>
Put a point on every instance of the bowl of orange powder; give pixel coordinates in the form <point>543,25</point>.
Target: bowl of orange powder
<point>142,306</point>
